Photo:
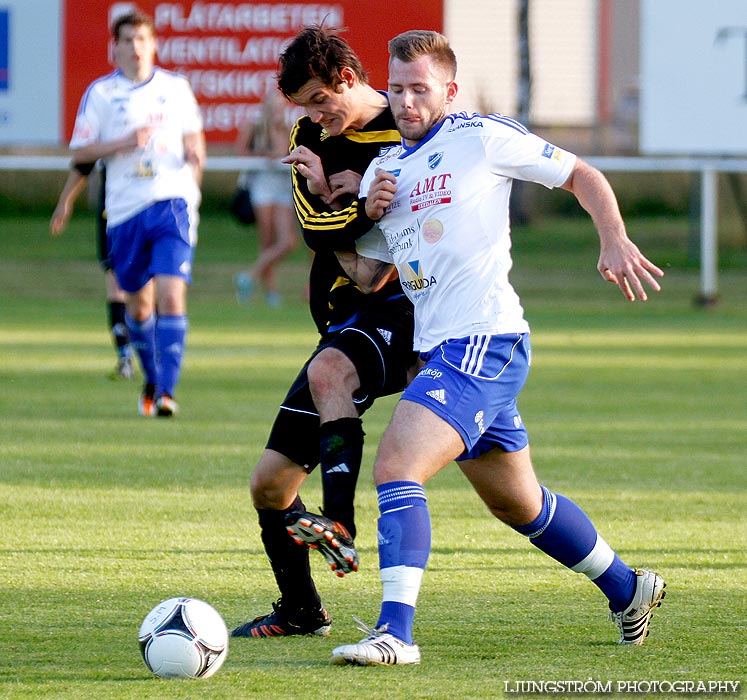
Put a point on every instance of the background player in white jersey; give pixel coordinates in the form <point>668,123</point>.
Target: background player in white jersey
<point>441,201</point>
<point>145,124</point>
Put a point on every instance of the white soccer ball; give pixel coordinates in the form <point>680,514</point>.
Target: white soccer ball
<point>183,638</point>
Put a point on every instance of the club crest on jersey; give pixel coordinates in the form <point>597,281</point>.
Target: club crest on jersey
<point>549,151</point>
<point>434,159</point>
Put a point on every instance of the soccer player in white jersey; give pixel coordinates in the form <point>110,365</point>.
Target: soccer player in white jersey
<point>144,123</point>
<point>441,201</point>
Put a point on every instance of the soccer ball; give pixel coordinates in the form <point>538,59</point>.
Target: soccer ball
<point>183,638</point>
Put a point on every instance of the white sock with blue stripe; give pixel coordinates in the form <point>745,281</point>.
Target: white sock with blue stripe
<point>404,545</point>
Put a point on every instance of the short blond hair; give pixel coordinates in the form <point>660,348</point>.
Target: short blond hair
<point>415,43</point>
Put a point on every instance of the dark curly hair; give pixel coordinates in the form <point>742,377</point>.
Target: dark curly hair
<point>316,52</point>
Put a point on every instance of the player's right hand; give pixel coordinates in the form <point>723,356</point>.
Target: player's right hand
<point>59,220</point>
<point>380,194</point>
<point>143,136</point>
<point>309,166</point>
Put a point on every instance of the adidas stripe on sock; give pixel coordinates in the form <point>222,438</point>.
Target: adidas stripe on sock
<point>404,537</point>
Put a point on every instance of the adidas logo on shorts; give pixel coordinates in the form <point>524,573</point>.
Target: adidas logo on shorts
<point>438,394</point>
<point>386,335</point>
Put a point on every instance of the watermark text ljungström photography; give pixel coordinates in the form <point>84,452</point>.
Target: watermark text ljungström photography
<point>595,687</point>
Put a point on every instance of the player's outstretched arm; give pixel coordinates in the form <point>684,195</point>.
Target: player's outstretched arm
<point>369,274</point>
<point>101,149</point>
<point>620,260</point>
<point>195,153</point>
<point>73,186</point>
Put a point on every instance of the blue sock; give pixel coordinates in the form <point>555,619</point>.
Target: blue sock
<point>124,352</point>
<point>143,340</point>
<point>171,332</point>
<point>404,544</point>
<point>564,532</point>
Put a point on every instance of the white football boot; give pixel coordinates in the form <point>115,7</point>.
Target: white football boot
<point>379,648</point>
<point>633,622</point>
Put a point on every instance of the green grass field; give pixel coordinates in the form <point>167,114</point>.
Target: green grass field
<point>637,411</point>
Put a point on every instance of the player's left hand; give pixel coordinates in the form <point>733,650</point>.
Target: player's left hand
<point>624,265</point>
<point>342,183</point>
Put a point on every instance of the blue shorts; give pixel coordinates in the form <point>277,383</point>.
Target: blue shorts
<point>472,383</point>
<point>156,241</point>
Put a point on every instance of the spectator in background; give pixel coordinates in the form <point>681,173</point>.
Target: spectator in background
<point>271,195</point>
<point>115,297</point>
<point>144,123</point>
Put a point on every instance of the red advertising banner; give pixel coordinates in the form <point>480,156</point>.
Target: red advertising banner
<point>229,50</point>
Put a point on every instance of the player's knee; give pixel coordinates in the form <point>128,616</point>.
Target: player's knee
<point>138,310</point>
<point>172,305</point>
<point>275,481</point>
<point>331,372</point>
<point>268,493</point>
<point>515,512</point>
<point>172,295</point>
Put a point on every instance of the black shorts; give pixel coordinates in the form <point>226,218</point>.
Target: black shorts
<point>102,245</point>
<point>102,239</point>
<point>379,343</point>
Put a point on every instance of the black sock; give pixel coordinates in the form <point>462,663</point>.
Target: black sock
<point>341,453</point>
<point>117,324</point>
<point>289,561</point>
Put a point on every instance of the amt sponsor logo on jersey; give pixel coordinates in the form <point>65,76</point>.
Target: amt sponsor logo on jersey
<point>430,191</point>
<point>415,281</point>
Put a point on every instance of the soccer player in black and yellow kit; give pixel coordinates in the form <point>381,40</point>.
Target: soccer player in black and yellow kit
<point>115,305</point>
<point>365,348</point>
